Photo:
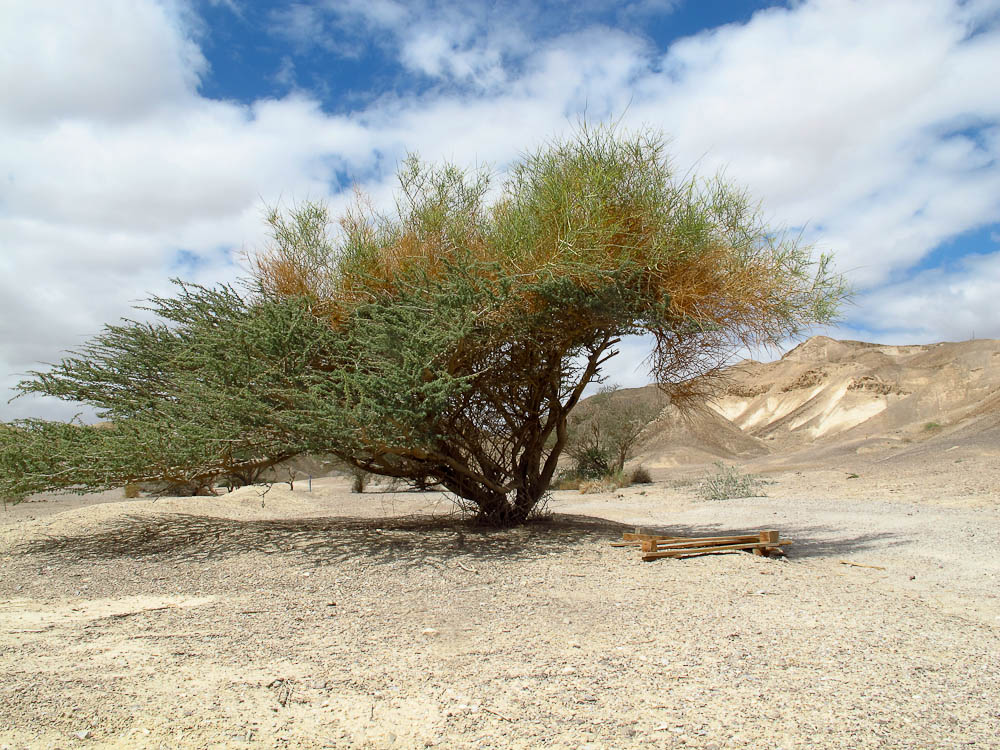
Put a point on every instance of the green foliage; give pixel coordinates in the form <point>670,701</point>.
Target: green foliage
<point>591,463</point>
<point>445,344</point>
<point>728,483</point>
<point>222,388</point>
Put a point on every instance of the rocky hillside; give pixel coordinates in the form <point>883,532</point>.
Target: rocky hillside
<point>828,397</point>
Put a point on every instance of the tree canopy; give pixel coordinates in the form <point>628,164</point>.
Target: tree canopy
<point>445,342</point>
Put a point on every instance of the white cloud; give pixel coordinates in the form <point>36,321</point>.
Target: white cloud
<point>834,111</point>
<point>116,60</point>
<point>877,125</point>
<point>952,304</point>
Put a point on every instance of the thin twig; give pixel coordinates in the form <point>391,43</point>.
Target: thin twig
<point>860,565</point>
<point>496,713</point>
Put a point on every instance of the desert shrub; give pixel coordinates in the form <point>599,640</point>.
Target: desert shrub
<point>728,483</point>
<point>608,483</point>
<point>640,475</point>
<point>132,490</point>
<point>931,426</point>
<point>592,463</point>
<point>359,479</point>
<point>567,481</point>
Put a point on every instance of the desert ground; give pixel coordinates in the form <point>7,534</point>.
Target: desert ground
<point>322,618</point>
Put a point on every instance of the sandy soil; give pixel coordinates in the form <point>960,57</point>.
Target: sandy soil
<point>325,619</point>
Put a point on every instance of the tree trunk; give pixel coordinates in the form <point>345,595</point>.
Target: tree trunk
<point>500,512</point>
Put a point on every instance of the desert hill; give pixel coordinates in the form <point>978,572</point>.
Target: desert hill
<point>828,398</point>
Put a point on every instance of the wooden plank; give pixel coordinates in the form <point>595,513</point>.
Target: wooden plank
<point>746,547</point>
<point>766,537</point>
<point>629,537</point>
<point>679,552</point>
<point>709,542</point>
<point>667,540</point>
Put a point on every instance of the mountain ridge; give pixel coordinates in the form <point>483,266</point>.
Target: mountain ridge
<point>835,397</point>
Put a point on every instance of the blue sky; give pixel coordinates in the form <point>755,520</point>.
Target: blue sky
<point>141,139</point>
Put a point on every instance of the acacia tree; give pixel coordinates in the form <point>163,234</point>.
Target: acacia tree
<point>444,343</point>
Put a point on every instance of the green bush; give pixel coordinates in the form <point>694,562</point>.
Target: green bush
<point>592,463</point>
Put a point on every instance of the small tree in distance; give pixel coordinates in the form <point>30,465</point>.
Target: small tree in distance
<point>445,343</point>
<point>603,435</point>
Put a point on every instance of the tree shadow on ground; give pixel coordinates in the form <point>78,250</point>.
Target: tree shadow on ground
<point>414,539</point>
<point>319,541</point>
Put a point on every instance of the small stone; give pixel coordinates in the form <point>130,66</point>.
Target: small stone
<point>574,644</point>
<point>428,631</point>
<point>568,670</point>
<point>84,734</point>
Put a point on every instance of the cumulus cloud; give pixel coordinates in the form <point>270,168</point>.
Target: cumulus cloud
<point>61,60</point>
<point>952,304</point>
<point>847,118</point>
<point>875,126</point>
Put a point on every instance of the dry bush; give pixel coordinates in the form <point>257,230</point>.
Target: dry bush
<point>611,482</point>
<point>728,484</point>
<point>132,490</point>
<point>640,475</point>
<point>359,480</point>
<point>568,482</point>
